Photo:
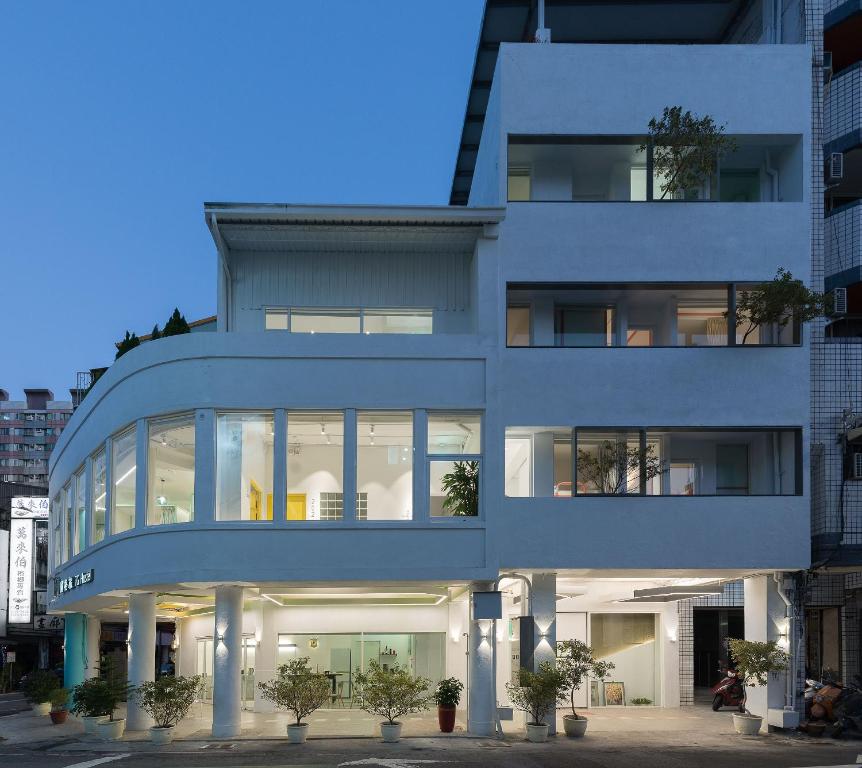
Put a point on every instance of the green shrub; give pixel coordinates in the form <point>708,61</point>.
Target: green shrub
<point>538,692</point>
<point>41,685</point>
<point>297,689</point>
<point>390,693</point>
<point>448,692</point>
<point>168,699</point>
<point>640,701</point>
<point>59,699</point>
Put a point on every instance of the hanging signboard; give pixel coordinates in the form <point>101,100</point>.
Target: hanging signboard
<point>32,507</point>
<point>20,571</point>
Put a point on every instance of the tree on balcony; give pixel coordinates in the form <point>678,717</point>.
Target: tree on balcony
<point>614,467</point>
<point>686,150</point>
<point>776,303</point>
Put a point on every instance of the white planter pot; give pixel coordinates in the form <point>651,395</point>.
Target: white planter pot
<point>162,735</point>
<point>42,708</point>
<point>747,725</point>
<point>391,732</point>
<point>575,728</point>
<point>90,723</point>
<point>297,734</point>
<point>111,730</point>
<point>537,733</point>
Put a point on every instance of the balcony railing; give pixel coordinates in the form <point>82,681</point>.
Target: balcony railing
<point>842,114</point>
<point>844,245</point>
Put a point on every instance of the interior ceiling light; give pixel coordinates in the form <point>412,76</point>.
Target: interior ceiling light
<point>670,593</point>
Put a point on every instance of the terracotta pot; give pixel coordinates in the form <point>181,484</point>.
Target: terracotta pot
<point>537,733</point>
<point>58,716</point>
<point>747,725</point>
<point>297,734</point>
<point>446,719</point>
<point>575,727</point>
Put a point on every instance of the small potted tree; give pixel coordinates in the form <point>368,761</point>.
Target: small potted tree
<point>537,694</point>
<point>299,690</point>
<point>447,696</point>
<point>59,705</point>
<point>754,662</point>
<point>576,662</point>
<point>108,691</point>
<point>88,705</point>
<point>39,688</point>
<point>167,700</point>
<point>390,693</point>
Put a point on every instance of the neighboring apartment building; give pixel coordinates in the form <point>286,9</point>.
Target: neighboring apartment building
<point>834,599</point>
<point>28,432</point>
<point>557,336</point>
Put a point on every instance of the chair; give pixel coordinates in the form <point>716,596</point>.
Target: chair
<point>338,696</point>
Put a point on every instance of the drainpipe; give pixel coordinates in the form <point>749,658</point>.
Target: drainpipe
<point>543,35</point>
<point>791,635</point>
<point>526,605</point>
<point>773,175</point>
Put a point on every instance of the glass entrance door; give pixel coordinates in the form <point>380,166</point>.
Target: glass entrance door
<point>204,667</point>
<point>249,646</point>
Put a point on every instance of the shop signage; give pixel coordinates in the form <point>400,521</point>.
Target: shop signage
<point>20,571</point>
<point>73,582</point>
<point>48,623</point>
<point>30,507</point>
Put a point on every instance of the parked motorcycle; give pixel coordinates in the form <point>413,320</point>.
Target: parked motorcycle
<point>728,692</point>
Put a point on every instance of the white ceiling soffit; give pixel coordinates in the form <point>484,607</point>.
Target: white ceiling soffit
<point>671,593</point>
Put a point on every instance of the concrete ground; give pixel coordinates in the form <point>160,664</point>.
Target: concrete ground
<point>648,738</point>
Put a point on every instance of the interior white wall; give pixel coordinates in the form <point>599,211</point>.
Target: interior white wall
<point>387,480</point>
<point>314,470</point>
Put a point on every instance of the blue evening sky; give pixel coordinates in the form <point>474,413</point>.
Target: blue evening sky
<point>119,119</point>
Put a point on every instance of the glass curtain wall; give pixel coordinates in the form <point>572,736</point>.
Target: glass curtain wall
<point>244,466</point>
<point>57,528</point>
<point>99,496</point>
<point>80,540</point>
<point>171,470</point>
<point>384,464</point>
<point>315,465</point>
<point>123,475</point>
<point>538,462</point>
<point>69,523</point>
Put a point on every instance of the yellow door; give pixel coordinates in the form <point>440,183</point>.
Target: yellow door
<point>296,506</point>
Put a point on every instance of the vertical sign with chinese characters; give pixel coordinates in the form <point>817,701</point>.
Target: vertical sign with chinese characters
<point>20,571</point>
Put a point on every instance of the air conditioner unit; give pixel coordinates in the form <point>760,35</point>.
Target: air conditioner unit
<point>835,168</point>
<point>839,302</point>
<point>857,466</point>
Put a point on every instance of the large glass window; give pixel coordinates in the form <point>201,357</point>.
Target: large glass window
<point>80,512</point>
<point>628,641</point>
<point>315,465</point>
<point>397,321</point>
<point>610,462</point>
<point>408,320</point>
<point>99,496</point>
<point>324,321</point>
<point>583,327</point>
<point>57,528</point>
<point>384,463</point>
<point>244,468</point>
<point>69,520</point>
<point>171,470</point>
<point>454,482</point>
<point>123,474</point>
<point>538,461</point>
<point>518,326</point>
<point>700,324</point>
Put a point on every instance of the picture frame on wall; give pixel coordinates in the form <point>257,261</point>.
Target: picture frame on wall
<point>595,694</point>
<point>615,694</point>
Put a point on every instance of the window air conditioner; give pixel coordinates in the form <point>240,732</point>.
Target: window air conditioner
<point>839,302</point>
<point>835,170</point>
<point>857,465</point>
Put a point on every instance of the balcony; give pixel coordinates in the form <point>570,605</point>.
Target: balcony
<point>842,114</point>
<point>844,246</point>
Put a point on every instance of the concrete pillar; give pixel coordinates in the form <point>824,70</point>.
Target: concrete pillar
<point>74,649</point>
<point>227,662</point>
<point>94,636</point>
<point>668,672</point>
<point>765,619</point>
<point>543,464</point>
<point>266,654</point>
<point>142,653</point>
<point>481,701</point>
<point>544,610</point>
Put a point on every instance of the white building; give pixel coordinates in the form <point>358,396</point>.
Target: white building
<point>275,487</point>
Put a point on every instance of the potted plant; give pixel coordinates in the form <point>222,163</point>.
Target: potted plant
<point>461,487</point>
<point>59,701</point>
<point>754,662</point>
<point>107,692</point>
<point>299,690</point>
<point>575,661</point>
<point>390,693</point>
<point>87,704</point>
<point>537,694</point>
<point>167,700</point>
<point>39,688</point>
<point>447,696</point>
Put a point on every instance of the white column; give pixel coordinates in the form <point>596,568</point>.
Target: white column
<point>142,653</point>
<point>266,654</point>
<point>480,697</point>
<point>93,637</point>
<point>544,610</point>
<point>668,672</point>
<point>227,662</point>
<point>764,620</point>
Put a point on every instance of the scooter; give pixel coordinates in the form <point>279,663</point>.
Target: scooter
<point>728,691</point>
